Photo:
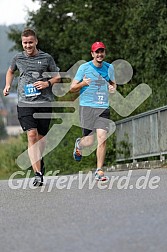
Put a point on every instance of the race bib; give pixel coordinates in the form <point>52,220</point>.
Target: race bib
<point>30,90</point>
<point>101,98</point>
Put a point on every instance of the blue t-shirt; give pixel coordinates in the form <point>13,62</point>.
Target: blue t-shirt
<point>96,94</point>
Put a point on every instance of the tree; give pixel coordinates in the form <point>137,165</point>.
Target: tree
<point>145,47</point>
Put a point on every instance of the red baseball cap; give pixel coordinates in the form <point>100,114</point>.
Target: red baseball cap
<point>97,45</point>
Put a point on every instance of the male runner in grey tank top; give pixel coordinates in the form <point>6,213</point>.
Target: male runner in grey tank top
<point>34,95</point>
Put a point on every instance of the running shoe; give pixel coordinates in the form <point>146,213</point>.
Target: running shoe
<point>99,175</point>
<point>77,153</point>
<point>38,180</point>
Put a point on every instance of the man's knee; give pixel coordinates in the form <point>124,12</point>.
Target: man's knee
<point>32,135</point>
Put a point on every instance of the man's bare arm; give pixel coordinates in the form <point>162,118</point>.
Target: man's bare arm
<point>76,85</point>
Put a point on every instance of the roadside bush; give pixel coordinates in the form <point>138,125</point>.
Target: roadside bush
<point>10,149</point>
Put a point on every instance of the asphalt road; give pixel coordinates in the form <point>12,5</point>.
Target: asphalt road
<point>71,213</point>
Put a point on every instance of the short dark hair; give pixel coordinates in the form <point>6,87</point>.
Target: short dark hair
<point>28,32</point>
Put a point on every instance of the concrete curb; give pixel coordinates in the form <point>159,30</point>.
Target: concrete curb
<point>138,165</point>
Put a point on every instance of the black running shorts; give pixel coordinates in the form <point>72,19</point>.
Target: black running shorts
<point>28,122</point>
<point>94,118</point>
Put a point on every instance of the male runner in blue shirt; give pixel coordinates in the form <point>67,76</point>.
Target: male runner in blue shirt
<point>94,80</point>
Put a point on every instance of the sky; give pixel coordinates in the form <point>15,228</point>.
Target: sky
<point>15,12</point>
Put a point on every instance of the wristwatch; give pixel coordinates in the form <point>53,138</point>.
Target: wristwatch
<point>50,85</point>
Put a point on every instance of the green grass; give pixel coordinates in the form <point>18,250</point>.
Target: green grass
<point>9,151</point>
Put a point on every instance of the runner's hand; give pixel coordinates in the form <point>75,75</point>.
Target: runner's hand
<point>41,84</point>
<point>6,90</point>
<point>86,81</point>
<point>111,88</point>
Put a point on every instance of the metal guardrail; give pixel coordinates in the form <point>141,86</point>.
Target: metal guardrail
<point>144,135</point>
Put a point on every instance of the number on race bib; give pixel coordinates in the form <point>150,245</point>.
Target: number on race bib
<point>30,90</point>
<point>100,97</point>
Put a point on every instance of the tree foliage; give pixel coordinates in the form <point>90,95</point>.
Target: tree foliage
<point>134,30</point>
